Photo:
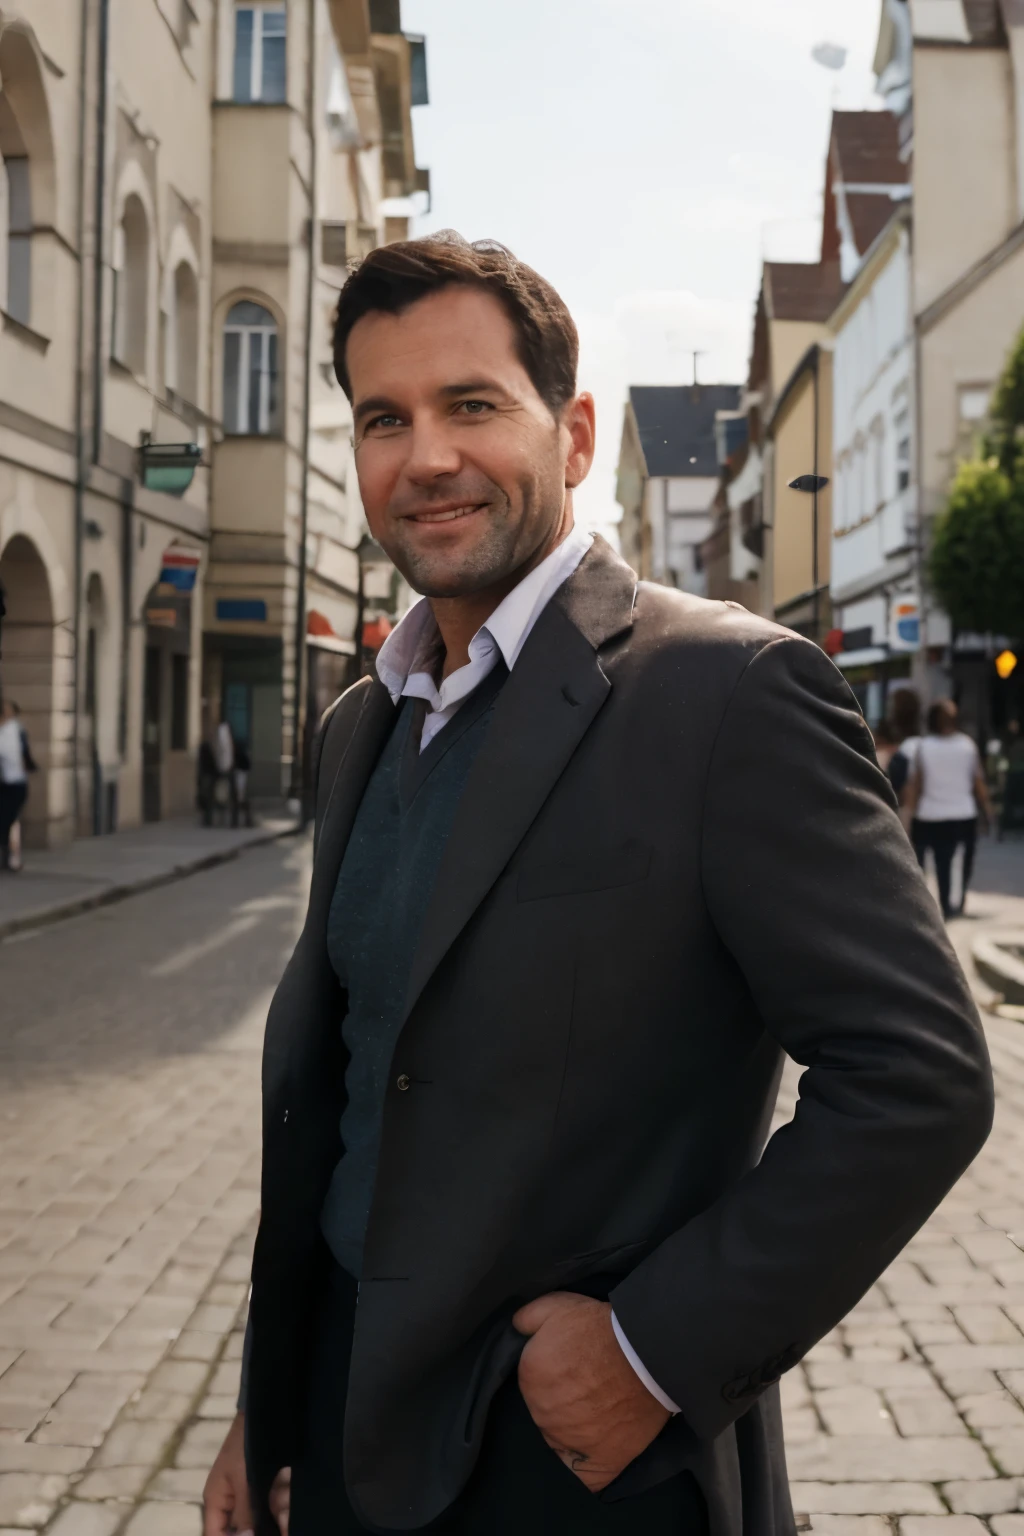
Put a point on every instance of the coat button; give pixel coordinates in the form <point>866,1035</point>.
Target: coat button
<point>403,1083</point>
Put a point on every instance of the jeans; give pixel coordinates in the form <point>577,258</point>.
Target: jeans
<point>944,838</point>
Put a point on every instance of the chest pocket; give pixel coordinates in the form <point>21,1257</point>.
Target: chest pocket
<point>599,870</point>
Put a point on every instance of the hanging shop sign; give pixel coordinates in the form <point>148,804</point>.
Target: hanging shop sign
<point>168,467</point>
<point>904,623</point>
<point>178,568</point>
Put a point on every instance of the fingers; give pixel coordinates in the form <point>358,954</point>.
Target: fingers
<point>536,1313</point>
<point>281,1498</point>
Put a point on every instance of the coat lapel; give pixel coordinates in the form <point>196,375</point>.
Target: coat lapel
<point>551,698</point>
<point>359,758</point>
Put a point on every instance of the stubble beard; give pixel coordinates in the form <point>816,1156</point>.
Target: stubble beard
<point>497,553</point>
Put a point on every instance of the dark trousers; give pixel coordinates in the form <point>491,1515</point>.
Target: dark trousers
<point>519,1487</point>
<point>944,838</point>
<point>12,800</point>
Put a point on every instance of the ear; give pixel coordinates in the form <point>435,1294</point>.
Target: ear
<point>579,421</point>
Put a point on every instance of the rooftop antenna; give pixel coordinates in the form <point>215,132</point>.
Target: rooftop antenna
<point>697,352</point>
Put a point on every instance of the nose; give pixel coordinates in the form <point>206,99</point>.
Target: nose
<point>432,450</point>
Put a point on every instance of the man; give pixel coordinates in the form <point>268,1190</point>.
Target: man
<point>590,856</point>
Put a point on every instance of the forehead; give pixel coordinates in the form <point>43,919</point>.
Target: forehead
<point>460,333</point>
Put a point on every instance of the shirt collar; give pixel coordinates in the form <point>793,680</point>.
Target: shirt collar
<point>409,650</point>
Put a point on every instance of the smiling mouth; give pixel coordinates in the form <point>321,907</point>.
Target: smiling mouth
<point>451,515</point>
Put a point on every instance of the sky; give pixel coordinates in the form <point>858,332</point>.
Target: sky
<point>645,156</point>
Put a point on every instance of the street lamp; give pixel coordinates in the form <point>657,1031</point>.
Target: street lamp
<point>811,485</point>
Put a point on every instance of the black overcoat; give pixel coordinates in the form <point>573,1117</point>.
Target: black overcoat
<point>675,860</point>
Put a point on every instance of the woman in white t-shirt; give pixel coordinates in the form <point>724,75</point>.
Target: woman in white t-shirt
<point>947,791</point>
<point>15,762</point>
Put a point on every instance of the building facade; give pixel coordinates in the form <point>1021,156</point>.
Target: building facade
<point>799,545</point>
<point>960,273</point>
<point>875,591</point>
<point>183,183</point>
<point>667,479</point>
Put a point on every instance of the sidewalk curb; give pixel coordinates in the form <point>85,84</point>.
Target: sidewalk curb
<point>45,917</point>
<point>1003,972</point>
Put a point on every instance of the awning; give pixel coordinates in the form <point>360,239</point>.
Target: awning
<point>320,633</point>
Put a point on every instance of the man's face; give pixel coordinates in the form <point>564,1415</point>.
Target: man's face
<point>463,469</point>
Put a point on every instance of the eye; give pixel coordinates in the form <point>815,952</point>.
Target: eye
<point>474,407</point>
<point>385,421</point>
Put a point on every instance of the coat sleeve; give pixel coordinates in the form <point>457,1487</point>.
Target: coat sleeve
<point>812,886</point>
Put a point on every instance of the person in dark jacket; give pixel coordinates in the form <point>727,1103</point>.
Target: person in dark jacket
<point>591,855</point>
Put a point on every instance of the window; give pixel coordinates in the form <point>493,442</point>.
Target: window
<point>260,58</point>
<point>183,335</point>
<point>974,400</point>
<point>131,287</point>
<point>179,703</point>
<point>19,239</point>
<point>250,369</point>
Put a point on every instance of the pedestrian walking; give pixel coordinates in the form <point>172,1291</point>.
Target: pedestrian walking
<point>590,856</point>
<point>206,781</point>
<point>947,793</point>
<point>905,724</point>
<point>16,763</point>
<point>241,809</point>
<point>224,797</point>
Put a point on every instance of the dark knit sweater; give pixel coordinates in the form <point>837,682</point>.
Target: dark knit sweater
<point>384,885</point>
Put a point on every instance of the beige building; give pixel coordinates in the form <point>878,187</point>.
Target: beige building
<point>954,74</point>
<point>182,185</point>
<point>790,335</point>
<point>800,543</point>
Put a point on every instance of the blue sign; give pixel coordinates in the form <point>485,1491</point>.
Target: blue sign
<point>909,631</point>
<point>181,577</point>
<point>249,610</point>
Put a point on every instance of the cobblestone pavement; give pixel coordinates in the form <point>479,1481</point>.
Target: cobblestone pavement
<point>911,1410</point>
<point>129,1131</point>
<point>129,1172</point>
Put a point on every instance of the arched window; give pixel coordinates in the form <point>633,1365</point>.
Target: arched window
<point>183,335</point>
<point>26,171</point>
<point>131,286</point>
<point>250,369</point>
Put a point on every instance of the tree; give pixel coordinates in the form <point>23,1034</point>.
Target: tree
<point>976,565</point>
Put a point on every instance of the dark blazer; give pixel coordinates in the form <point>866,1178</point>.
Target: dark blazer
<point>675,860</point>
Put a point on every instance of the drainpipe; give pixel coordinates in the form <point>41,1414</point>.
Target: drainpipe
<point>295,791</point>
<point>815,572</point>
<point>99,240</point>
<point>80,445</point>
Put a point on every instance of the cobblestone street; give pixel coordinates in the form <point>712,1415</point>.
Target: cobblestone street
<point>129,1131</point>
<point>129,1189</point>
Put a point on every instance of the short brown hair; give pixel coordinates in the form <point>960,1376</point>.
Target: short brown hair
<point>394,277</point>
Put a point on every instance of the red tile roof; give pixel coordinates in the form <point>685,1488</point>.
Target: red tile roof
<point>802,290</point>
<point>867,148</point>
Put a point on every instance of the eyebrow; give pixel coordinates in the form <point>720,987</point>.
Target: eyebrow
<point>373,403</point>
<point>474,387</point>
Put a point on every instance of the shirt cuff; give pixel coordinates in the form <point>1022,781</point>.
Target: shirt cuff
<point>641,1369</point>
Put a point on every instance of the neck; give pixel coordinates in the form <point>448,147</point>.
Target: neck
<point>459,618</point>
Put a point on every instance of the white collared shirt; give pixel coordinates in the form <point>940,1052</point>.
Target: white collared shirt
<point>407,665</point>
<point>408,660</point>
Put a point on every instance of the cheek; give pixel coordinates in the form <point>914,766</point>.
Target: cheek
<point>378,466</point>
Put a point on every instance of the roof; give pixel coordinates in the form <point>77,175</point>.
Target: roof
<point>869,216</point>
<point>985,22</point>
<point>676,423</point>
<point>802,290</point>
<point>867,148</point>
